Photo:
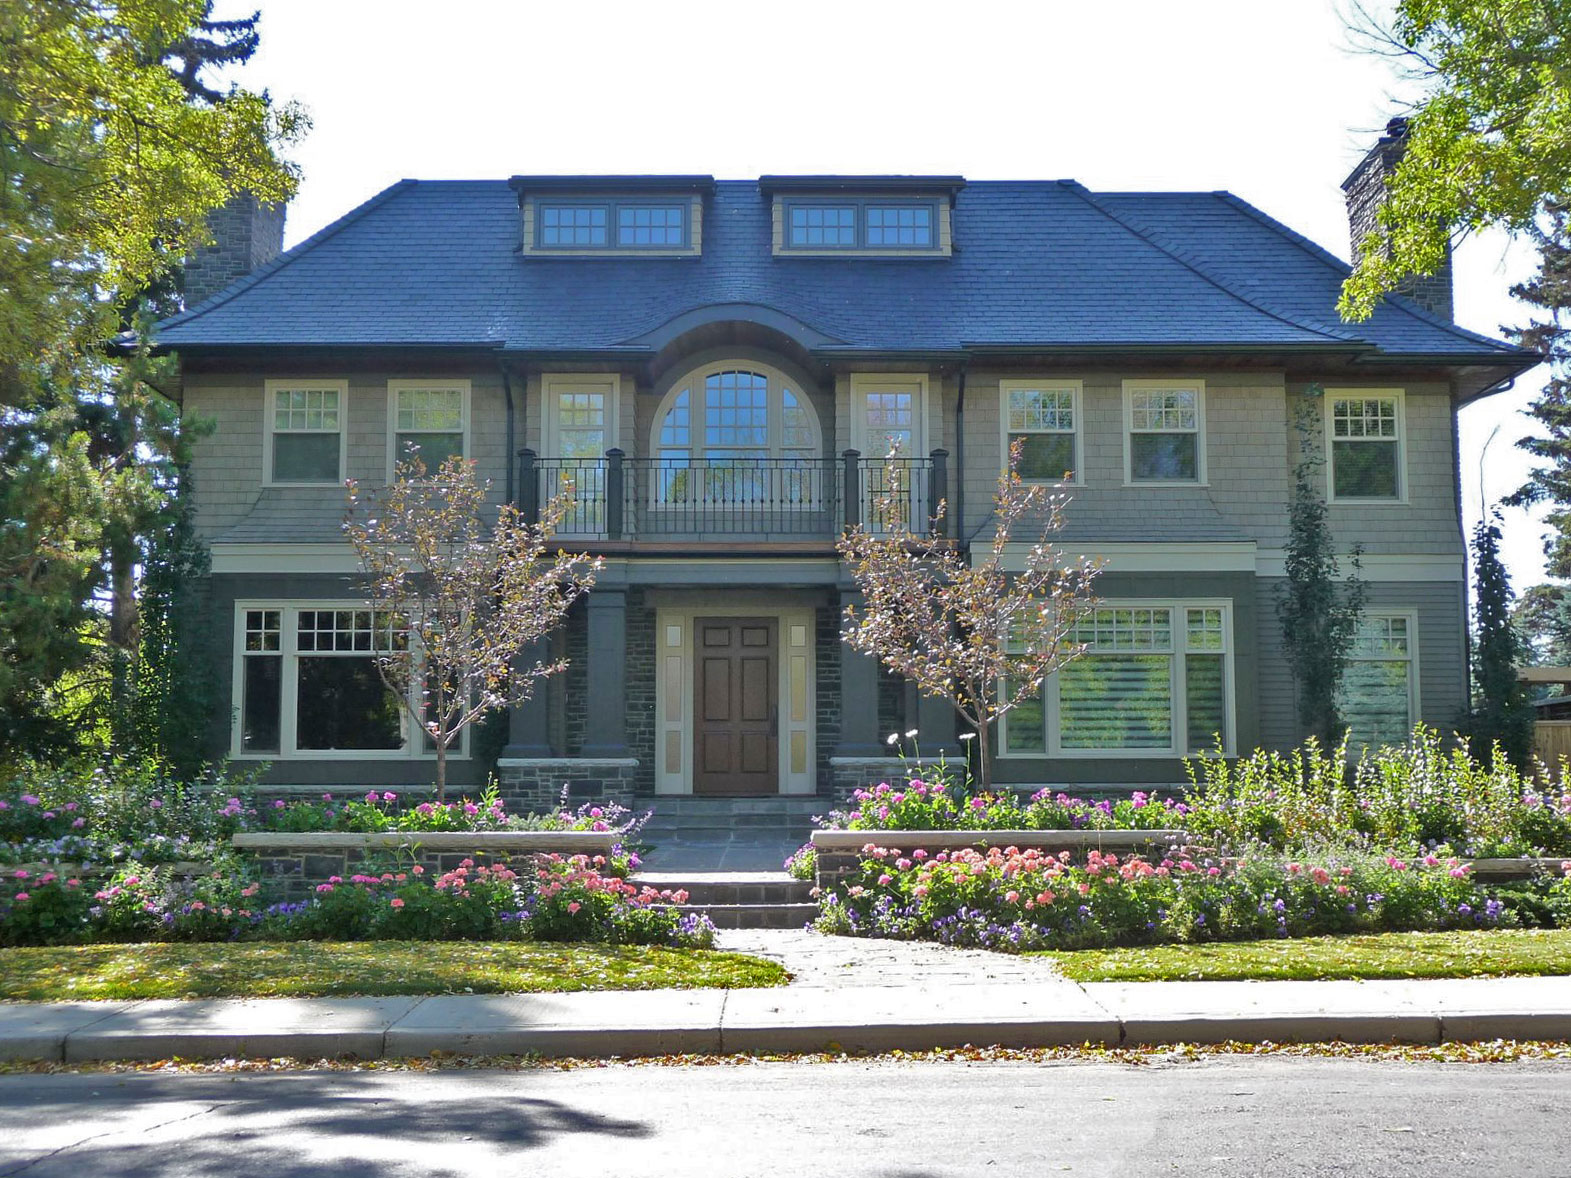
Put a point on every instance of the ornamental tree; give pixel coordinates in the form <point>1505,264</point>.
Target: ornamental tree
<point>1502,712</point>
<point>464,598</point>
<point>960,623</point>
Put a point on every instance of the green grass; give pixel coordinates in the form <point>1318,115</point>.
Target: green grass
<point>310,969</point>
<point>1483,954</point>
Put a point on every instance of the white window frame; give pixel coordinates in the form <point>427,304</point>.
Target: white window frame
<point>1176,750</point>
<point>1076,388</point>
<point>1331,396</point>
<point>1186,384</point>
<point>1410,616</point>
<point>554,383</point>
<point>269,388</point>
<point>394,387</point>
<point>288,719</point>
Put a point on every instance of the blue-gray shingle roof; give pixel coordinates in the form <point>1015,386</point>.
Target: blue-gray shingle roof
<point>1037,264</point>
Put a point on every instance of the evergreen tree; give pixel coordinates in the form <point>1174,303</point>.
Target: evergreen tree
<point>1502,713</point>
<point>1542,617</point>
<point>1318,608</point>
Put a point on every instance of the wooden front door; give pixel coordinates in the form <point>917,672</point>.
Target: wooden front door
<point>736,746</point>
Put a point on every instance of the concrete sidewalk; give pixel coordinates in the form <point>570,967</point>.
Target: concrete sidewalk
<point>839,998</point>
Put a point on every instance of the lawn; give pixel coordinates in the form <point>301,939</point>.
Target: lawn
<point>1482,954</point>
<point>308,969</point>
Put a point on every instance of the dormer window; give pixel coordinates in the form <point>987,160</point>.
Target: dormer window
<point>590,226</point>
<point>586,216</point>
<point>861,225</point>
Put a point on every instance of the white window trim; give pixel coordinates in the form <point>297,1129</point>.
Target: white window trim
<point>1077,407</point>
<point>554,383</point>
<point>1410,615</point>
<point>863,383</point>
<point>268,389</point>
<point>1053,748</point>
<point>394,387</point>
<point>693,382</point>
<point>288,720</point>
<point>1400,397</point>
<point>1201,478</point>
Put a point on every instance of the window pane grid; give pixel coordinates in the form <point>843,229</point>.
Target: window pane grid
<point>1357,419</point>
<point>736,410</point>
<point>357,631</point>
<point>831,225</point>
<point>430,411</point>
<point>649,225</point>
<point>305,410</point>
<point>263,630</point>
<point>1041,411</point>
<point>1164,411</point>
<point>573,224</point>
<point>899,226</point>
<point>1121,629</point>
<point>1205,630</point>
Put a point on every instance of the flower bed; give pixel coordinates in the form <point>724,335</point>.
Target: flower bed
<point>290,866</point>
<point>559,898</point>
<point>1015,898</point>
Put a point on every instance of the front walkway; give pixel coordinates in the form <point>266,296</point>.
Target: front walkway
<point>816,961</point>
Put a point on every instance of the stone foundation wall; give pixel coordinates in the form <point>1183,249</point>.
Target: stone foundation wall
<point>849,774</point>
<point>538,784</point>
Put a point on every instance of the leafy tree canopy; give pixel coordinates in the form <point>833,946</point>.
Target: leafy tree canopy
<point>110,164</point>
<point>1490,143</point>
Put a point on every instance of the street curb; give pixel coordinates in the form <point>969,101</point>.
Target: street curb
<point>626,1024</point>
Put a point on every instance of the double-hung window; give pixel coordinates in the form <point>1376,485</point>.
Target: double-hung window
<point>1155,680</point>
<point>1164,436</point>
<point>1365,432</point>
<point>303,439</point>
<point>429,419</point>
<point>1043,418</point>
<point>1377,695</point>
<point>307,684</point>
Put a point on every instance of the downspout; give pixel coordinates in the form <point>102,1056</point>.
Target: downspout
<point>959,466</point>
<point>507,392</point>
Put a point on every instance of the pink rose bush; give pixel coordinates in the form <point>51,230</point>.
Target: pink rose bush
<point>938,803</point>
<point>1011,899</point>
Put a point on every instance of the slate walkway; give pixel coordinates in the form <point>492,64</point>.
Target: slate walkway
<point>847,994</point>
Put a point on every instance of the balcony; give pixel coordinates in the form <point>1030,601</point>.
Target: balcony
<point>733,500</point>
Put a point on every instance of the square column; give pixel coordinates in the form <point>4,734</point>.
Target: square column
<point>529,722</point>
<point>605,726</point>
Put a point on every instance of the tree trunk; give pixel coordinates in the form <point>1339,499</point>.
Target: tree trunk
<point>441,771</point>
<point>984,759</point>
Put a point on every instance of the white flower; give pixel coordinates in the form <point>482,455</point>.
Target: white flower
<point>968,736</point>
<point>911,735</point>
<point>892,739</point>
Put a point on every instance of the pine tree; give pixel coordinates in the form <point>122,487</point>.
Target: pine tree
<point>1502,714</point>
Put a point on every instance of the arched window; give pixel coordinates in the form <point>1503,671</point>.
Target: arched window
<point>736,433</point>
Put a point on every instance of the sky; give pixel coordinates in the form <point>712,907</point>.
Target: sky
<point>1269,99</point>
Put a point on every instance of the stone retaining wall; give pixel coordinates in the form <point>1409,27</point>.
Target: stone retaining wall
<point>290,866</point>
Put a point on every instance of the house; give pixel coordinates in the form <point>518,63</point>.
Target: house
<point>721,367</point>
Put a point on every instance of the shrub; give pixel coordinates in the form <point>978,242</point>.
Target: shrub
<point>43,909</point>
<point>1014,900</point>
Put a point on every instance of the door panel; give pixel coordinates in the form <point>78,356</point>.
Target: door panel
<point>735,729</point>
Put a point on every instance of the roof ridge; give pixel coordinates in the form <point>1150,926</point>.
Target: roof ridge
<point>246,281</point>
<point>1397,300</point>
<point>1188,263</point>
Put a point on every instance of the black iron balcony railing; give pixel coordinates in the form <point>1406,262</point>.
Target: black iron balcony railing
<point>762,499</point>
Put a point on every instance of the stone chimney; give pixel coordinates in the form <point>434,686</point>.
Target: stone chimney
<point>1365,191</point>
<point>246,234</point>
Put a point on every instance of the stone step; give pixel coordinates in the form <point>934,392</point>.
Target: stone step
<point>740,807</point>
<point>731,916</point>
<point>730,887</point>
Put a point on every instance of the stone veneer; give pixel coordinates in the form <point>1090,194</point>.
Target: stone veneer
<point>540,784</point>
<point>292,866</point>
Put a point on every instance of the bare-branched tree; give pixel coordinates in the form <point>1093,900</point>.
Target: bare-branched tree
<point>982,629</point>
<point>458,599</point>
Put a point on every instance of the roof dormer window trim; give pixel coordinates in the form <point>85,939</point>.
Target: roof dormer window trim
<point>857,224</point>
<point>586,224</point>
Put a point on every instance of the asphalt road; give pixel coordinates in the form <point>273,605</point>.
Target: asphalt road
<point>1217,1117</point>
